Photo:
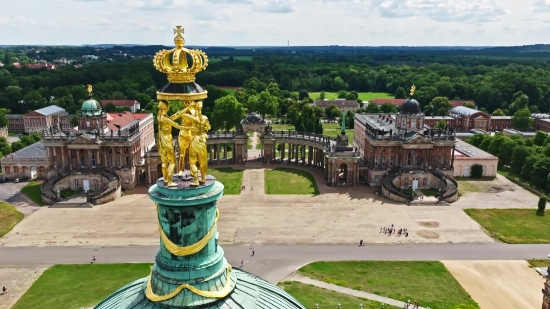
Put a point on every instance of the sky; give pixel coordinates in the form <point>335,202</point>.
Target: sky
<point>274,22</point>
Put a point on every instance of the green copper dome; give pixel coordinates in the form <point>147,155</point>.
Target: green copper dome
<point>90,108</point>
<point>190,269</point>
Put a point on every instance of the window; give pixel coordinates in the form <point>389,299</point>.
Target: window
<point>96,184</point>
<point>82,165</point>
<point>93,159</point>
<point>111,160</point>
<point>127,161</point>
<point>87,124</point>
<point>376,160</point>
<point>126,180</point>
<point>425,182</point>
<point>406,181</point>
<point>376,179</point>
<point>383,160</point>
<point>76,183</point>
<point>409,159</point>
<point>419,161</point>
<point>391,160</point>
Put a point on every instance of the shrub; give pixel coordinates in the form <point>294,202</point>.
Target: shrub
<point>542,203</point>
<point>477,171</point>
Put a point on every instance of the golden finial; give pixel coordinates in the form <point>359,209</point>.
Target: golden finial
<point>413,88</point>
<point>90,90</point>
<point>177,68</point>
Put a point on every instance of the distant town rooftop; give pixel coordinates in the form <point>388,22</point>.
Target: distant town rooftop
<point>464,149</point>
<point>49,110</point>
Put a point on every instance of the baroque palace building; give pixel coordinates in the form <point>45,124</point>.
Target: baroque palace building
<point>398,151</point>
<point>102,156</point>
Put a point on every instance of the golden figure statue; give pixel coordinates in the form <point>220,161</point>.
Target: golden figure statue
<point>185,136</point>
<point>165,146</point>
<point>198,150</point>
<point>413,88</point>
<point>89,90</point>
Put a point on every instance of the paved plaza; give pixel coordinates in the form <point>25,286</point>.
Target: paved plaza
<point>18,280</point>
<point>337,216</point>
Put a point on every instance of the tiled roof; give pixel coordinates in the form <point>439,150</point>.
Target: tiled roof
<point>120,102</point>
<point>463,111</point>
<point>122,119</point>
<point>34,151</point>
<point>337,103</point>
<point>52,109</point>
<point>455,103</point>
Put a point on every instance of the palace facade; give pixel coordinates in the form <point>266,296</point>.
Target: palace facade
<point>398,151</point>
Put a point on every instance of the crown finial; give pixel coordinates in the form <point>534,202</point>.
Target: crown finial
<point>174,62</point>
<point>179,40</point>
<point>89,90</point>
<point>413,88</point>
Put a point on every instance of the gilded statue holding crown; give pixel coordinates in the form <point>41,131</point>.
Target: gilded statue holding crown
<point>194,125</point>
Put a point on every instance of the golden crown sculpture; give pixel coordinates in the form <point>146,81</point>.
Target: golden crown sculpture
<point>178,70</point>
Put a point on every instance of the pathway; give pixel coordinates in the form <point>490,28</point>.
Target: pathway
<point>254,181</point>
<point>343,290</point>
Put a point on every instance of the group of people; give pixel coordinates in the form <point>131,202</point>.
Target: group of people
<point>408,304</point>
<point>392,230</point>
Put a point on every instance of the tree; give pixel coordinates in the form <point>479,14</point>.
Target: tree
<point>342,94</point>
<point>440,124</point>
<point>528,166</point>
<point>477,171</point>
<point>302,94</point>
<point>351,97</point>
<point>541,169</point>
<point>519,101</point>
<point>522,119</point>
<point>400,93</point>
<point>322,95</point>
<point>263,103</point>
<point>388,108</point>
<point>519,155</point>
<point>350,119</point>
<point>539,138</point>
<point>227,113</point>
<point>74,121</point>
<point>332,111</point>
<point>498,112</point>
<point>109,107</point>
<point>439,106</point>
<point>372,108</point>
<point>542,204</point>
<point>496,142</point>
<point>3,118</point>
<point>5,147</point>
<point>17,145</point>
<point>477,139</point>
<point>469,105</point>
<point>506,151</point>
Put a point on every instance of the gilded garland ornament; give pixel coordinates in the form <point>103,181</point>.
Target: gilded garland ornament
<point>178,69</point>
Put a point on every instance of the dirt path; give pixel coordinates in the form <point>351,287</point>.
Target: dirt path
<point>254,181</point>
<point>499,284</point>
<point>18,280</point>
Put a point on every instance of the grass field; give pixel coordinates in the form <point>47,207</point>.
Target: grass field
<point>231,90</point>
<point>427,282</point>
<point>9,217</point>
<point>32,190</point>
<point>289,181</point>
<point>363,96</point>
<point>77,286</point>
<point>514,226</point>
<point>309,296</point>
<point>333,129</point>
<point>231,179</point>
<point>68,193</point>
<point>539,263</point>
<point>465,185</point>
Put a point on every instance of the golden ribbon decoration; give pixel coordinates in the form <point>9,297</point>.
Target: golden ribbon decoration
<point>209,294</point>
<point>191,249</point>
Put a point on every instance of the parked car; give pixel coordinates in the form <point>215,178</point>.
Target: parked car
<point>16,180</point>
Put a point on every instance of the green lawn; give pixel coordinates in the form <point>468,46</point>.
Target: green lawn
<point>430,192</point>
<point>77,286</point>
<point>32,190</point>
<point>333,129</point>
<point>539,263</point>
<point>363,96</point>
<point>282,127</point>
<point>289,181</point>
<point>68,193</point>
<point>428,282</point>
<point>514,226</point>
<point>309,296</point>
<point>466,185</point>
<point>231,179</point>
<point>9,217</point>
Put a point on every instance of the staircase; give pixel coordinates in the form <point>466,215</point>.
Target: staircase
<point>387,183</point>
<point>451,188</point>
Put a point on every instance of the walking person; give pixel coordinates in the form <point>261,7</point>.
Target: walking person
<point>4,290</point>
<point>242,264</point>
<point>93,260</point>
<point>361,243</point>
<point>252,252</point>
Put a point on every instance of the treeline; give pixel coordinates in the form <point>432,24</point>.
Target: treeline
<point>528,159</point>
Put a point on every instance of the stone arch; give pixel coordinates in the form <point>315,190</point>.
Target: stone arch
<point>16,170</point>
<point>33,172</point>
<point>42,172</point>
<point>7,170</point>
<point>25,171</point>
<point>343,173</point>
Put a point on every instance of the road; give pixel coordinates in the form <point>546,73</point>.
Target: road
<point>275,262</point>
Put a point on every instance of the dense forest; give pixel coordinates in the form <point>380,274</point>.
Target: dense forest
<point>493,81</point>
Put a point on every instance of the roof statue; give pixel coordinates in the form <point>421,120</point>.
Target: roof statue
<point>89,90</point>
<point>179,70</point>
<point>190,269</point>
<point>413,88</point>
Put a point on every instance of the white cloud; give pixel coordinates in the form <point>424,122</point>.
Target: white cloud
<point>541,6</point>
<point>16,20</point>
<point>274,6</point>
